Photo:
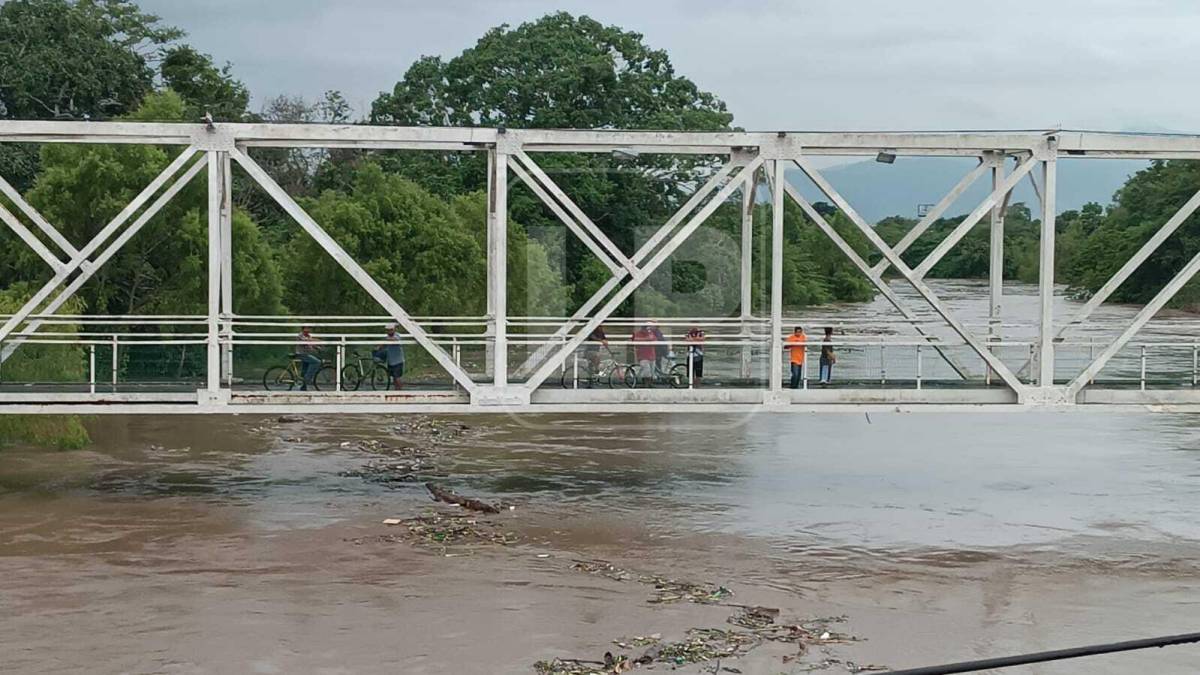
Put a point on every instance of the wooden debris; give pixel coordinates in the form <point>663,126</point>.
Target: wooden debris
<point>442,495</point>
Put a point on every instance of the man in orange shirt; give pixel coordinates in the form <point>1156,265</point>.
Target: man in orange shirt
<point>795,345</point>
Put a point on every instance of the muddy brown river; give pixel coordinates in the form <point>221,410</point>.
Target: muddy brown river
<point>247,545</point>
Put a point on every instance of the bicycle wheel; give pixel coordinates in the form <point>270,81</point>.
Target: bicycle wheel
<point>678,376</point>
<point>610,375</point>
<point>351,378</point>
<point>325,379</point>
<point>278,378</point>
<point>630,377</point>
<point>379,379</point>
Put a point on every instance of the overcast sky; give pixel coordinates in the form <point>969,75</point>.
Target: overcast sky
<point>816,64</point>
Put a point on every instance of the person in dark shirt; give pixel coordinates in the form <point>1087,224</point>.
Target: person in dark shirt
<point>695,342</point>
<point>828,358</point>
<point>591,351</point>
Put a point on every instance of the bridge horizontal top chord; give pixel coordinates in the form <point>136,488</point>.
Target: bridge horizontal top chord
<point>1069,143</point>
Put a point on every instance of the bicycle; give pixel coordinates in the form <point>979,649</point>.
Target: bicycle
<point>365,368</point>
<point>286,378</point>
<point>674,375</point>
<point>603,374</point>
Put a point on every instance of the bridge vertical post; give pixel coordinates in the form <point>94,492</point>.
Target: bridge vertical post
<point>747,274</point>
<point>490,310</point>
<point>1046,266</point>
<point>775,376</point>
<point>497,266</point>
<point>212,370</point>
<point>996,262</point>
<point>226,266</point>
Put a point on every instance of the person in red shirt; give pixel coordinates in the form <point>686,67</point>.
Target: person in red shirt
<point>645,353</point>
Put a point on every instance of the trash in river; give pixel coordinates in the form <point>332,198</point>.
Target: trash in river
<point>754,618</point>
<point>400,465</point>
<point>602,568</point>
<point>665,590</point>
<point>705,644</point>
<point>431,429</point>
<point>289,419</point>
<point>441,530</point>
<point>609,666</point>
<point>670,590</point>
<point>638,641</point>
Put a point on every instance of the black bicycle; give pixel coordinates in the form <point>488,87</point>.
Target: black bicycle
<point>365,368</point>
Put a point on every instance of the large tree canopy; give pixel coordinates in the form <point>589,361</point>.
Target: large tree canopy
<point>557,72</point>
<point>560,71</point>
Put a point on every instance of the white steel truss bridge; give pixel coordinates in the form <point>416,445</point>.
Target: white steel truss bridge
<point>498,362</point>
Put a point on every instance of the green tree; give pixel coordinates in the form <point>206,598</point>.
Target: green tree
<point>204,87</point>
<point>1102,244</point>
<point>426,252</point>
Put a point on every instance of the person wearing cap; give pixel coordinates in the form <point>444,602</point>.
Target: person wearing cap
<point>394,356</point>
<point>310,363</point>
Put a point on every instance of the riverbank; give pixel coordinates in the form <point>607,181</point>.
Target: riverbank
<point>251,545</point>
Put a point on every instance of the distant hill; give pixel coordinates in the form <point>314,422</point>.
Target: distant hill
<point>878,190</point>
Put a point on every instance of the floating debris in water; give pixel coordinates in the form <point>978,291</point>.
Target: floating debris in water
<point>440,531</point>
<point>665,590</point>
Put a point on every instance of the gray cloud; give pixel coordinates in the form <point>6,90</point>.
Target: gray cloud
<point>818,64</point>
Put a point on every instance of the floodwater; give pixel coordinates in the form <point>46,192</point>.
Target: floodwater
<point>239,545</point>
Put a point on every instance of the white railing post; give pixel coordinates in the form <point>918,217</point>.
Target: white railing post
<point>575,370</point>
<point>1195,364</point>
<point>882,364</point>
<point>339,362</point>
<point>114,362</point>
<point>918,366</point>
<point>804,367</point>
<point>92,368</point>
<point>1142,376</point>
<point>689,353</point>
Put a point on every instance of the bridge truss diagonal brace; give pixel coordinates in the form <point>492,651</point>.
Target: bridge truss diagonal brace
<point>674,242</point>
<point>352,267</point>
<point>536,187</point>
<point>870,273</point>
<point>619,273</point>
<point>615,256</point>
<point>956,235</point>
<point>912,278</point>
<point>1152,244</point>
<point>1139,321</point>
<point>936,212</point>
<point>80,261</point>
<point>50,231</point>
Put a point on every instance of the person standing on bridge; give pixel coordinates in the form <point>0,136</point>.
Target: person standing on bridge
<point>644,352</point>
<point>828,358</point>
<point>310,363</point>
<point>393,355</point>
<point>695,341</point>
<point>796,345</point>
